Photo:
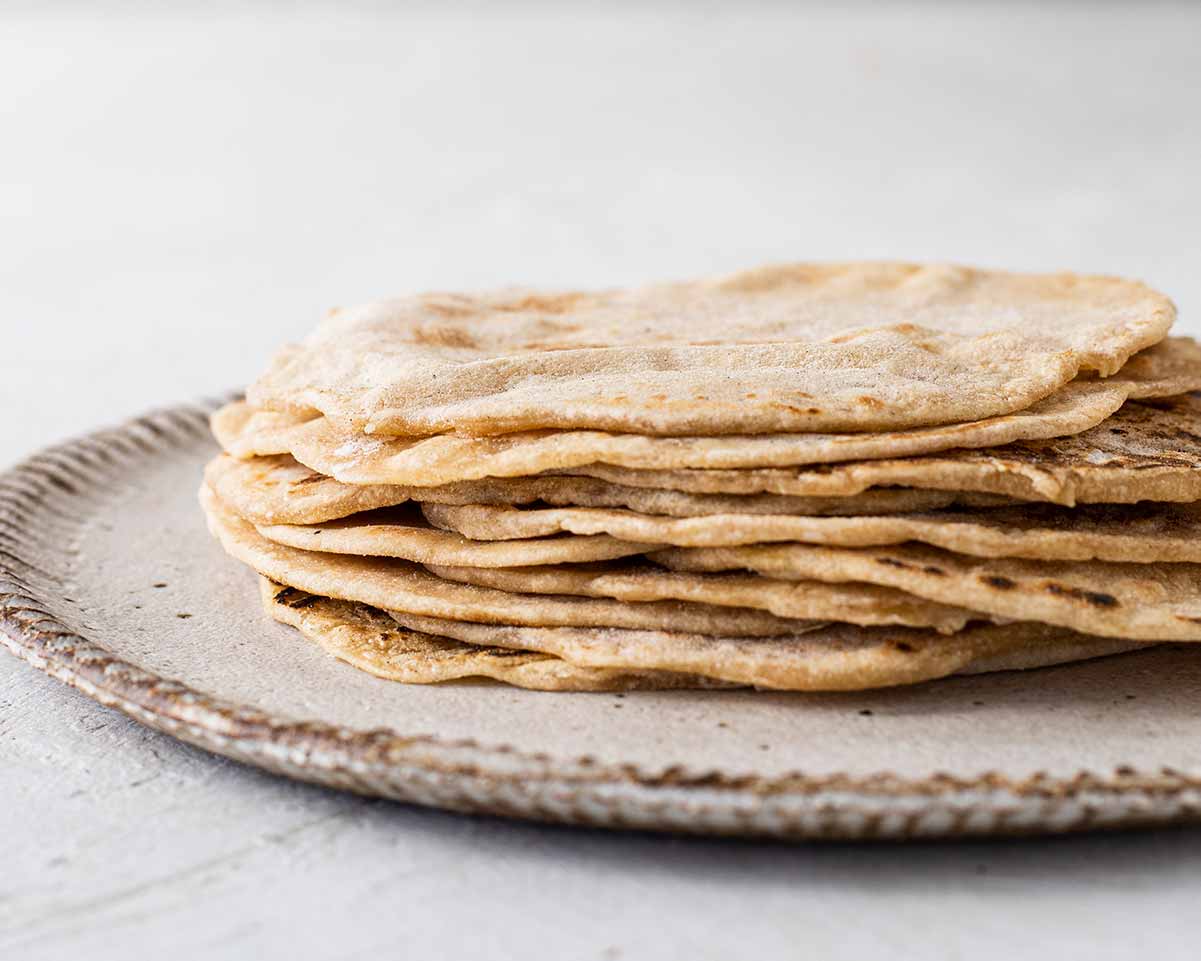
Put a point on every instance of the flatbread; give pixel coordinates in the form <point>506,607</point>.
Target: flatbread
<point>801,347</point>
<point>400,585</point>
<point>1148,450</point>
<point>352,458</point>
<point>370,640</point>
<point>450,458</point>
<point>279,490</point>
<point>1147,602</point>
<point>838,657</point>
<point>402,532</point>
<point>1140,533</point>
<point>865,604</point>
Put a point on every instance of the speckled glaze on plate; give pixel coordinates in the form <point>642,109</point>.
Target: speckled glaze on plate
<point>110,582</point>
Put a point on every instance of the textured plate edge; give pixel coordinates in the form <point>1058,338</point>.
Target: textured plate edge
<point>468,776</point>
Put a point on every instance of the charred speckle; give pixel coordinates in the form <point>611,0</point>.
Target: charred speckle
<point>1096,598</point>
<point>506,652</point>
<point>183,617</point>
<point>159,584</point>
<point>893,562</point>
<point>936,571</point>
<point>1117,430</point>
<point>904,646</point>
<point>295,599</point>
<point>865,713</point>
<point>999,582</point>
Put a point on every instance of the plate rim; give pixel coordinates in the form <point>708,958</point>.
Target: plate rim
<point>472,776</point>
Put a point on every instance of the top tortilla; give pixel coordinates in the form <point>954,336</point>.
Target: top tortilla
<point>797,348</point>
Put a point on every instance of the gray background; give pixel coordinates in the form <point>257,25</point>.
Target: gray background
<point>183,188</point>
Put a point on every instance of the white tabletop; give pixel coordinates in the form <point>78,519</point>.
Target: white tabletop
<point>180,193</point>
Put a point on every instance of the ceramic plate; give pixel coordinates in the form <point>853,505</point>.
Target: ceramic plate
<point>110,582</point>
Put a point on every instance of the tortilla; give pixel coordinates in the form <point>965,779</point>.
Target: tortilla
<point>279,490</point>
<point>1170,368</point>
<point>401,532</point>
<point>1149,450</point>
<point>865,604</point>
<point>1141,533</point>
<point>801,347</point>
<point>370,640</point>
<point>838,657</point>
<point>400,585</point>
<point>450,458</point>
<point>1147,602</point>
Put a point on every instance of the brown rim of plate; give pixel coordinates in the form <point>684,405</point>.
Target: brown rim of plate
<point>470,776</point>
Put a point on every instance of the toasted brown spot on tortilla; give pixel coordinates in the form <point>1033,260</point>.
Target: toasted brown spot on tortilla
<point>443,336</point>
<point>542,304</point>
<point>1096,598</point>
<point>294,598</point>
<point>313,478</point>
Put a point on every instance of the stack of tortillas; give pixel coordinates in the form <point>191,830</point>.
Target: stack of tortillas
<point>802,478</point>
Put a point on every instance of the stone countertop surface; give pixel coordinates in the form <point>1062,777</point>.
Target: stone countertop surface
<point>182,190</point>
